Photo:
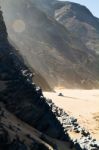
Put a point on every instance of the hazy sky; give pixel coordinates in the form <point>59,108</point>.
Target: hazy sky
<point>93,5</point>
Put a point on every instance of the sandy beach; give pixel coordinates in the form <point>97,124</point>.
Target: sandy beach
<point>82,104</point>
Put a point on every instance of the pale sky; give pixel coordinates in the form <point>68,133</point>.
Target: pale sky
<point>92,5</point>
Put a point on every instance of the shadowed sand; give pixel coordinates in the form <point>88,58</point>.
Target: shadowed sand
<point>82,104</point>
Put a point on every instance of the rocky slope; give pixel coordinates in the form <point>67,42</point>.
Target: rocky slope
<point>20,96</point>
<point>81,22</point>
<point>27,120</point>
<point>52,51</point>
<point>76,18</point>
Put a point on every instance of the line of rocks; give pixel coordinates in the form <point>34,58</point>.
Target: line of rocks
<point>86,142</point>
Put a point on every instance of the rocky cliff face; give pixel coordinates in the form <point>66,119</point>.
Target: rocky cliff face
<point>27,100</point>
<point>27,120</point>
<point>21,97</point>
<point>59,56</point>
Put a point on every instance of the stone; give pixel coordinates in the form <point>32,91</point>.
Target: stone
<point>73,120</point>
<point>60,94</point>
<point>85,133</point>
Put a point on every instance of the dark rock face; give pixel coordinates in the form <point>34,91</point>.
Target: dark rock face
<point>29,105</point>
<point>3,33</point>
<point>16,144</point>
<point>21,96</point>
<point>23,99</point>
<point>3,138</point>
<point>59,56</point>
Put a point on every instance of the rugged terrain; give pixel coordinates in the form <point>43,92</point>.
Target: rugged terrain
<point>28,121</point>
<point>20,97</point>
<point>40,33</point>
<point>81,22</point>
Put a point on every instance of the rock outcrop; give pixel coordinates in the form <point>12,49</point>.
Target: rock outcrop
<point>16,135</point>
<point>21,95</point>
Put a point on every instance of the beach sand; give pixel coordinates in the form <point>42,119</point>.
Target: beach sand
<point>82,104</point>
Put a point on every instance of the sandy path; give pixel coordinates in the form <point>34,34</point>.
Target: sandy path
<point>82,104</point>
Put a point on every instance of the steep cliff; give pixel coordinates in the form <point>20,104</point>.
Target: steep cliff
<point>27,120</point>
<point>20,96</point>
